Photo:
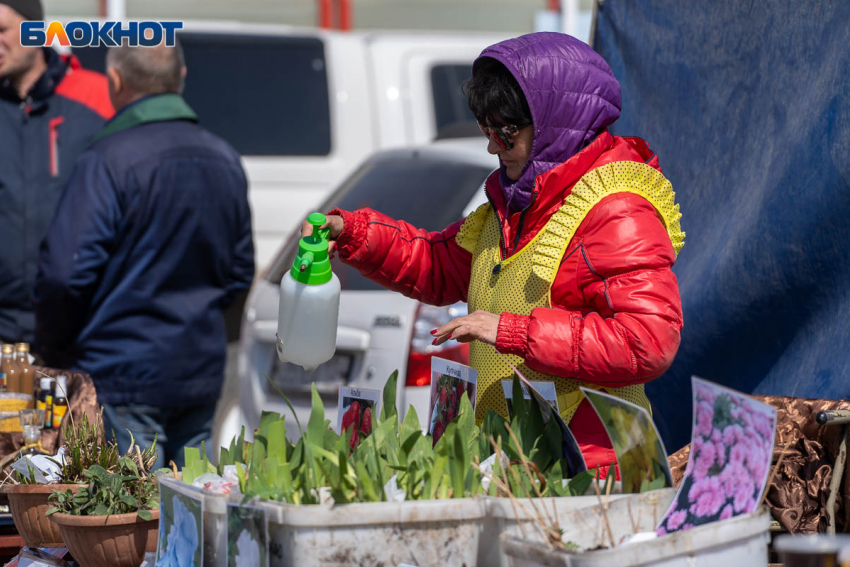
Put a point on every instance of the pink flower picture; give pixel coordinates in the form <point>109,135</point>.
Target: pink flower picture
<point>731,450</point>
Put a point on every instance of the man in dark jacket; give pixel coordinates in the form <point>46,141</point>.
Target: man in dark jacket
<point>150,242</point>
<point>50,109</point>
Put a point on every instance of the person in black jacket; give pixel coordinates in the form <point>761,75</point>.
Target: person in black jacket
<point>150,242</point>
<point>50,109</point>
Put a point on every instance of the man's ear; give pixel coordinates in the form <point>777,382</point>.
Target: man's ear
<point>114,77</point>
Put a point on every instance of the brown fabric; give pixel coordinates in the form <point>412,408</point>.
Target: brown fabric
<point>797,497</point>
<point>82,401</point>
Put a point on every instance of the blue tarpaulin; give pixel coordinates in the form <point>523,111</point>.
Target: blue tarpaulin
<point>747,103</point>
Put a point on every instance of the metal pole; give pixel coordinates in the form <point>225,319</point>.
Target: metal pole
<point>345,15</point>
<point>116,10</point>
<point>569,16</point>
<point>325,14</point>
<point>835,481</point>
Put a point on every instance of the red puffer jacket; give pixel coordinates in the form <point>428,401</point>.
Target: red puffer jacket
<point>617,316</point>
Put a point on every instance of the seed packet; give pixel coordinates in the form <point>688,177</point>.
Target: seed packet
<point>546,390</point>
<point>731,451</point>
<point>355,410</point>
<point>181,522</point>
<point>449,381</point>
<point>640,452</point>
<point>247,536</point>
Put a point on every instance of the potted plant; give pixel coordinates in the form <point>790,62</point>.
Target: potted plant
<point>394,489</point>
<point>84,446</point>
<point>113,520</point>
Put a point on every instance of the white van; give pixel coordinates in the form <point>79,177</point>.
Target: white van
<point>304,106</point>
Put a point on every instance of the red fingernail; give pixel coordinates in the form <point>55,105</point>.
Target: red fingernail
<point>434,342</point>
<point>434,332</point>
<point>450,336</point>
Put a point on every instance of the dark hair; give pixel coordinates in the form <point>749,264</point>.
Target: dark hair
<point>149,70</point>
<point>495,96</point>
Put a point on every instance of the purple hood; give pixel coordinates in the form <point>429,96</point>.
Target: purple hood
<point>571,92</point>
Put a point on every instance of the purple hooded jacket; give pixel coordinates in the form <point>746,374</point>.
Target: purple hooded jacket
<point>571,92</point>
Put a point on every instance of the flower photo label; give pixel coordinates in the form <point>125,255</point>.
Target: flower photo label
<point>247,536</point>
<point>449,382</point>
<point>181,527</point>
<point>545,389</point>
<point>357,411</point>
<point>731,451</point>
<point>640,451</point>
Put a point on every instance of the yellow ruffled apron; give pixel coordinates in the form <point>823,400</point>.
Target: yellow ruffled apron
<point>525,278</point>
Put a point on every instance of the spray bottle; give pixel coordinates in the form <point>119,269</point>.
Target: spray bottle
<point>309,303</point>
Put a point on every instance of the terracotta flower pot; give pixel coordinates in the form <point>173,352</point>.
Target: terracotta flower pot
<point>28,504</point>
<point>120,540</point>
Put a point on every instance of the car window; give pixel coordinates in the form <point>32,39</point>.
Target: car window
<point>451,110</point>
<point>428,192</point>
<point>265,95</point>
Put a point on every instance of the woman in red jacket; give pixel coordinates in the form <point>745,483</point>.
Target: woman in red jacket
<point>567,268</point>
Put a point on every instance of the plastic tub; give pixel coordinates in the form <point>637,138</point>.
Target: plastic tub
<point>215,520</point>
<point>423,533</point>
<point>505,518</point>
<point>737,541</point>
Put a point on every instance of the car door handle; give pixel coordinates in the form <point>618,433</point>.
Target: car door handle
<point>347,338</point>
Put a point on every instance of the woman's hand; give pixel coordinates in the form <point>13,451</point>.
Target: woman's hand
<point>334,223</point>
<point>480,325</point>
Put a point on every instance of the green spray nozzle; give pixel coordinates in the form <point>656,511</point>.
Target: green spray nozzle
<point>312,265</point>
<point>317,220</point>
<point>306,261</point>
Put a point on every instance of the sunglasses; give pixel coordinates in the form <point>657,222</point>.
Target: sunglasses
<point>502,135</point>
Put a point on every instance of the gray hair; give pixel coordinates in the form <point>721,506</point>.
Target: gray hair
<point>149,70</point>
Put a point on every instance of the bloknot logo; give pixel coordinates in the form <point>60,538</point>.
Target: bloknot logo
<point>95,34</point>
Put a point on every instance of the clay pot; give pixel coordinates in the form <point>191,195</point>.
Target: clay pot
<point>28,504</point>
<point>120,540</point>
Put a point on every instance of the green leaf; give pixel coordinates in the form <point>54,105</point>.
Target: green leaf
<point>388,407</point>
<point>411,423</point>
<point>581,482</point>
<point>288,403</point>
<point>457,468</point>
<point>316,425</point>
<point>269,417</point>
<point>258,449</point>
<point>191,455</point>
<point>277,440</point>
<point>224,458</point>
<point>518,401</point>
<point>144,515</point>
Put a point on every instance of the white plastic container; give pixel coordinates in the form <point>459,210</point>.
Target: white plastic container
<point>308,313</point>
<point>215,520</point>
<point>503,517</point>
<point>429,533</point>
<point>740,541</point>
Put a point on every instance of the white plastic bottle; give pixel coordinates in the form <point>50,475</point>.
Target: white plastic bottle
<point>309,303</point>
